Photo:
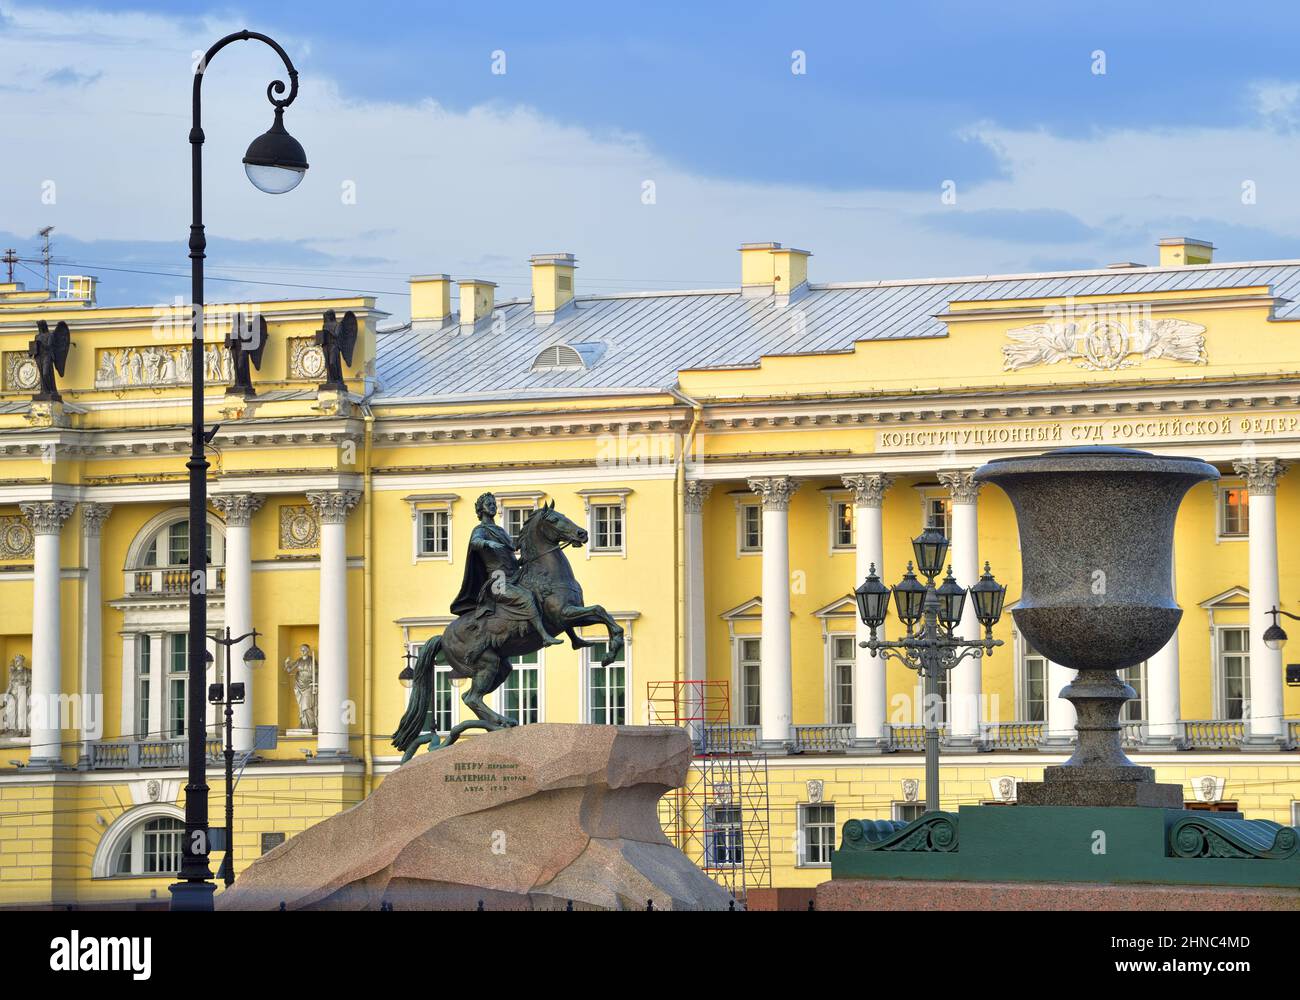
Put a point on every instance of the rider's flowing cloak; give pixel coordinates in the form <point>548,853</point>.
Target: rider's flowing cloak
<point>476,572</point>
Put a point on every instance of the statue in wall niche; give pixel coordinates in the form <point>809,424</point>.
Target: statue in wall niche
<point>303,671</point>
<point>15,708</point>
<point>50,351</point>
<point>507,607</point>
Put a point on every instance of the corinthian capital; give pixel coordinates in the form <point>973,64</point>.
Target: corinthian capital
<point>697,491</point>
<point>47,516</point>
<point>962,486</point>
<point>238,508</point>
<point>1261,474</point>
<point>868,487</point>
<point>93,516</point>
<point>333,506</point>
<point>775,491</point>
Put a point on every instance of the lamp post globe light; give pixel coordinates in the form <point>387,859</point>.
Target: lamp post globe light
<point>1275,638</point>
<point>275,163</point>
<point>935,649</point>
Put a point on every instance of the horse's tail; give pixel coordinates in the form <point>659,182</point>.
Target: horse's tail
<point>412,724</point>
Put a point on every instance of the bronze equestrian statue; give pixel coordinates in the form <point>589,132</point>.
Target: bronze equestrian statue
<point>506,607</point>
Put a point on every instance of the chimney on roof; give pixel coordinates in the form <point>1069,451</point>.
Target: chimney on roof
<point>476,300</point>
<point>771,269</point>
<point>552,284</point>
<point>431,298</point>
<point>1175,251</point>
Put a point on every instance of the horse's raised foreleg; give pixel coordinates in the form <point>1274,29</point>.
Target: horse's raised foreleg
<point>577,615</point>
<point>490,676</point>
<point>578,641</point>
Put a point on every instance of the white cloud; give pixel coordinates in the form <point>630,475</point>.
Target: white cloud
<point>474,193</point>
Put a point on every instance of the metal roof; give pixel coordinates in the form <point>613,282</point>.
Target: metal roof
<point>648,337</point>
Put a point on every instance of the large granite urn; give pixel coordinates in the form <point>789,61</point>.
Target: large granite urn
<point>1096,543</point>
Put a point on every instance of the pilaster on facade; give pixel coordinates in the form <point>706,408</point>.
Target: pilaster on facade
<point>698,492</point>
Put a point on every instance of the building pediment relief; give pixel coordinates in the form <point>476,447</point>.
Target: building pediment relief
<point>1104,344</point>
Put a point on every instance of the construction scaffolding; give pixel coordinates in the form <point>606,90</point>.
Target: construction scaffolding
<point>719,817</point>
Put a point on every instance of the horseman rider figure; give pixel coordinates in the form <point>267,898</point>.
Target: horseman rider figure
<point>490,573</point>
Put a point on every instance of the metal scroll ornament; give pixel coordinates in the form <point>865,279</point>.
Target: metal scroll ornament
<point>935,832</point>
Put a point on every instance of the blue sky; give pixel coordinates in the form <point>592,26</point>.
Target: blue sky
<point>457,168</point>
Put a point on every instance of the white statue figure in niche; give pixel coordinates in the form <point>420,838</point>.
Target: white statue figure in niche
<point>303,671</point>
<point>15,706</point>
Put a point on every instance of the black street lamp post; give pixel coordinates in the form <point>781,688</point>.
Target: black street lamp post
<point>1275,638</point>
<point>934,650</point>
<point>229,695</point>
<point>274,163</point>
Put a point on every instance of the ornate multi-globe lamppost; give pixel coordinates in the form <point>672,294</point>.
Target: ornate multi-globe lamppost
<point>275,163</point>
<point>935,649</point>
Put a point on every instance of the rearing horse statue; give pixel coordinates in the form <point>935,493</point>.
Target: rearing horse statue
<point>506,608</point>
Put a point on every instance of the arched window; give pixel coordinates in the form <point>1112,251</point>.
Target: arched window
<point>154,848</point>
<point>171,547</point>
<point>145,841</point>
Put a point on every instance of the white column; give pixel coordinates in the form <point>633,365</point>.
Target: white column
<point>46,519</point>
<point>1163,697</point>
<point>1164,701</point>
<point>332,708</point>
<point>238,510</point>
<point>697,493</point>
<point>93,516</point>
<point>776,714</point>
<point>870,690</point>
<point>1264,717</point>
<point>1061,716</point>
<point>964,683</point>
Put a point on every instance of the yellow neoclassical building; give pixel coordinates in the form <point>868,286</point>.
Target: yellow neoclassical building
<point>740,456</point>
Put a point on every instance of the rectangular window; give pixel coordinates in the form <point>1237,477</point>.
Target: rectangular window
<point>938,514</point>
<point>1234,671</point>
<point>750,687</point>
<point>162,848</point>
<point>843,650</point>
<point>143,654</point>
<point>908,811</point>
<point>842,515</point>
<point>435,532</point>
<point>1234,511</point>
<point>751,528</point>
<point>514,519</point>
<point>607,527</point>
<point>178,544</point>
<point>1135,709</point>
<point>817,834</point>
<point>606,687</point>
<point>1034,686</point>
<point>724,837</point>
<point>520,694</point>
<point>443,690</point>
<point>178,644</point>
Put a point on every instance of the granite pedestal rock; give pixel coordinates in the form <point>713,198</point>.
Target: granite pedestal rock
<point>522,818</point>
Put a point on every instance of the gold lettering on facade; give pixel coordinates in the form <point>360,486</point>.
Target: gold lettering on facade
<point>1118,432</point>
